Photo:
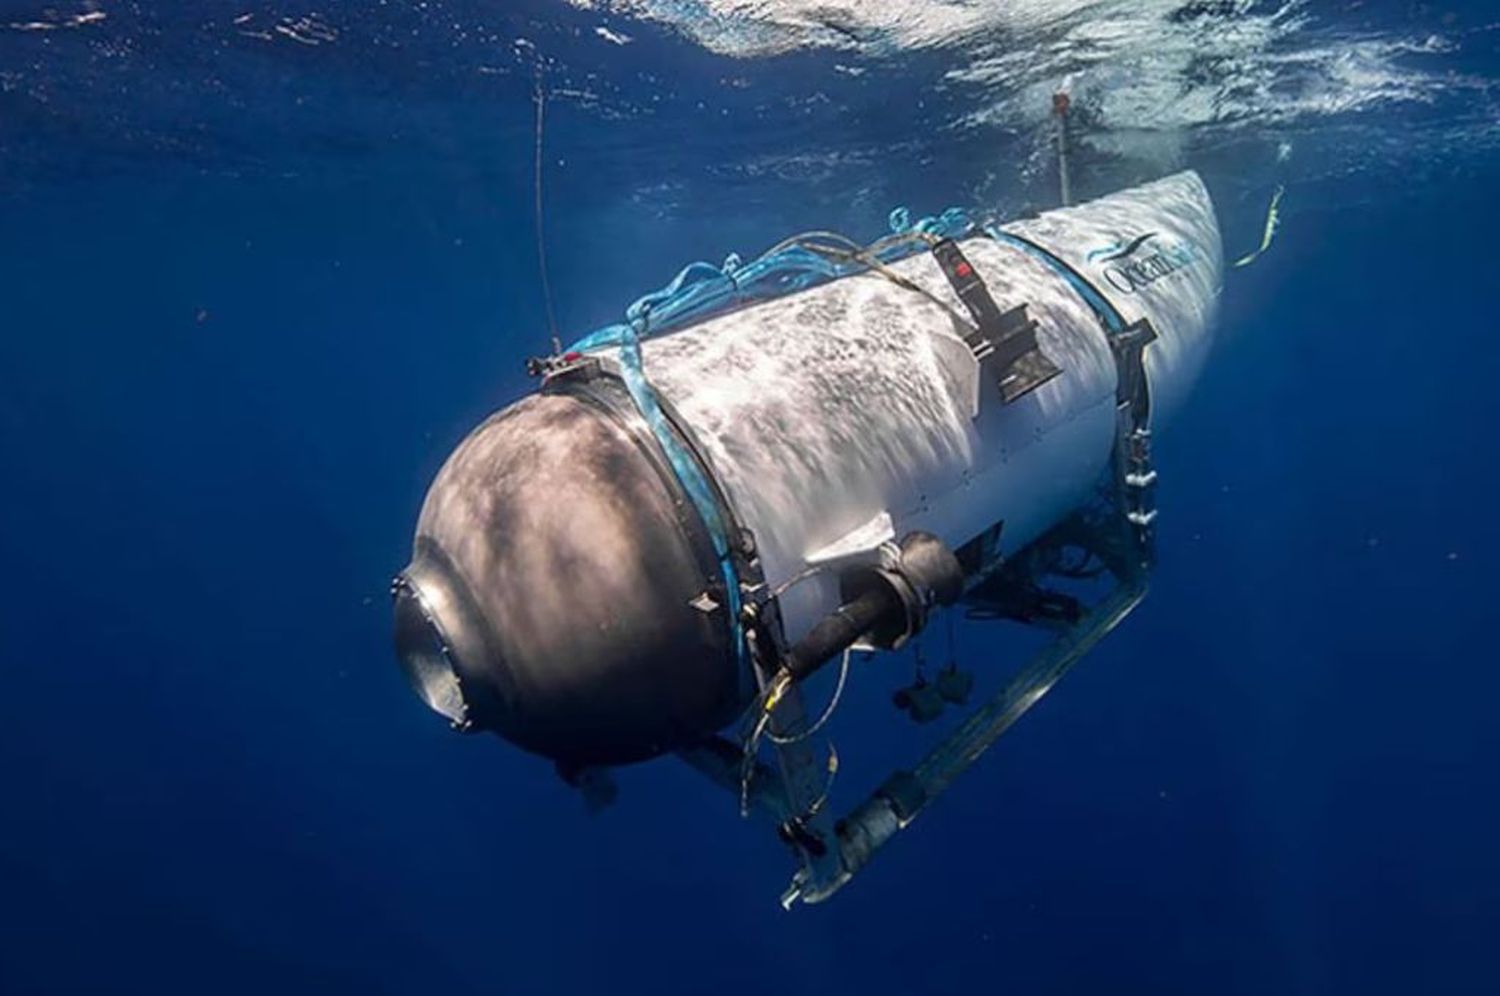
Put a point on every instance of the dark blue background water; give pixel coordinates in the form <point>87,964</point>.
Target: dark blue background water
<point>251,300</point>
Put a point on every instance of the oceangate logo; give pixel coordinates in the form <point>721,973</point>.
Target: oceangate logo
<point>1130,264</point>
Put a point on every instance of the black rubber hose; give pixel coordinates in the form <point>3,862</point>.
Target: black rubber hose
<point>840,628</point>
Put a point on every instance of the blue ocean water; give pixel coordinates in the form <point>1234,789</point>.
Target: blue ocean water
<point>264,264</point>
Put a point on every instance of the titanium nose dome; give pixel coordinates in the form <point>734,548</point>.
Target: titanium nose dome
<point>548,599</point>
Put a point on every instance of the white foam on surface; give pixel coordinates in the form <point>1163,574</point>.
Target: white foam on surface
<point>1147,64</point>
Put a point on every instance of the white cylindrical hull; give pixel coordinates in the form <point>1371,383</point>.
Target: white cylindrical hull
<point>834,408</point>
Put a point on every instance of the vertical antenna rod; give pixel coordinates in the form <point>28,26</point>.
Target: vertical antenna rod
<point>1061,104</point>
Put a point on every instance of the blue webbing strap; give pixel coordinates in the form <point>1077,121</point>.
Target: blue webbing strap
<point>702,289</point>
<point>693,477</point>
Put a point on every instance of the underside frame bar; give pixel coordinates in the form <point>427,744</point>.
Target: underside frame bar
<point>904,795</point>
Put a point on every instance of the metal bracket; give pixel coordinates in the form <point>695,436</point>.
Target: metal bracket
<point>1004,342</point>
<point>1135,478</point>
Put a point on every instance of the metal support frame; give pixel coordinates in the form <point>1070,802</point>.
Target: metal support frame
<point>906,793</point>
<point>792,792</point>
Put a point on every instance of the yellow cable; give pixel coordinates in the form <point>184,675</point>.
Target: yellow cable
<point>1273,222</point>
<point>778,689</point>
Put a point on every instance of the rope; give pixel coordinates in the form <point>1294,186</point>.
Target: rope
<point>832,768</point>
<point>765,707</point>
<point>803,575</point>
<point>792,264</point>
<point>833,703</point>
<point>869,260</point>
<point>539,98</point>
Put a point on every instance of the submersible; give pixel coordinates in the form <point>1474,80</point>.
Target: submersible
<point>768,464</point>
